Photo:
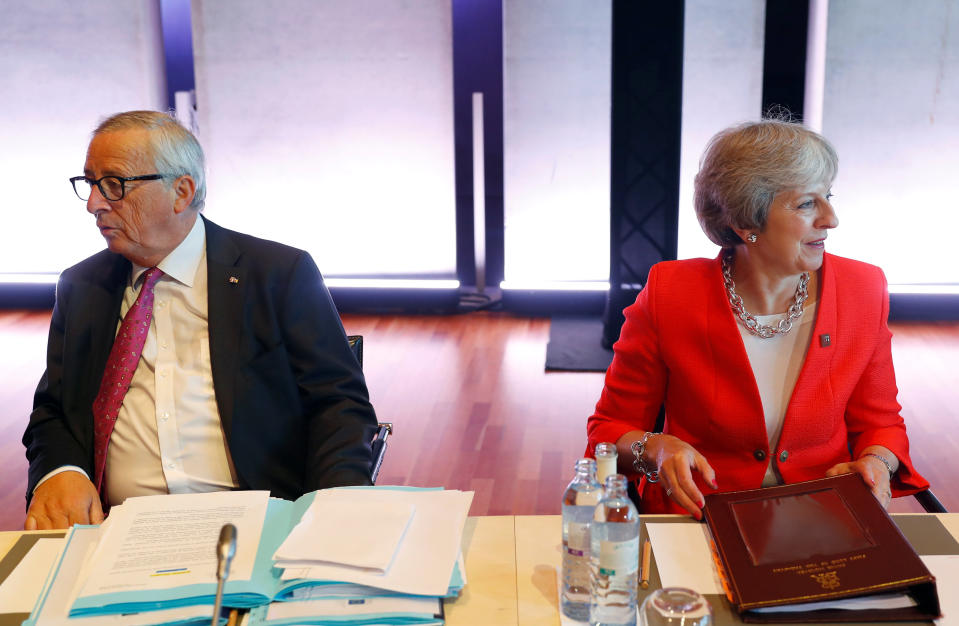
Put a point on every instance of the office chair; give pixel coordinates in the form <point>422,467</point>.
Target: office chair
<point>926,498</point>
<point>383,429</point>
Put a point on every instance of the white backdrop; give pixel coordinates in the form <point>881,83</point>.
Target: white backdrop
<point>891,108</point>
<point>556,120</point>
<point>65,65</point>
<point>328,125</point>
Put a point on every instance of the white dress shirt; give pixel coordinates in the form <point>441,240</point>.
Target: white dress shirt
<point>168,437</point>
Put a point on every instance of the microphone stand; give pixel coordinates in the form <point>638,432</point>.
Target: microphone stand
<point>225,549</point>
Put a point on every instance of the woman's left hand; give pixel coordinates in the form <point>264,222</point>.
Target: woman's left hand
<point>873,472</point>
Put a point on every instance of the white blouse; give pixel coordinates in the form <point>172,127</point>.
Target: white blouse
<point>776,363</point>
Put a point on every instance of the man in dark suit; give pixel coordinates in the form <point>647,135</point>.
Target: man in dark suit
<point>243,379</point>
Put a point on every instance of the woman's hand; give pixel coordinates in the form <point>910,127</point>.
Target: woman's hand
<point>873,471</point>
<point>676,461</point>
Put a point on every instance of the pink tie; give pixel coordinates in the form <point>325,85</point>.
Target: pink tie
<point>121,364</point>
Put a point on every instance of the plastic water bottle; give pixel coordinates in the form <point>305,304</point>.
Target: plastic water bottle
<point>614,557</point>
<point>579,502</point>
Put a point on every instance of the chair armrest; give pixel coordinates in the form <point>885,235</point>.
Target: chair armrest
<point>930,503</point>
<point>378,445</point>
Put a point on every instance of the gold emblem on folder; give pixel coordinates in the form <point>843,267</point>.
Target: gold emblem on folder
<point>828,580</point>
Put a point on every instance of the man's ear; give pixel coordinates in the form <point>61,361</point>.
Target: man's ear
<point>183,187</point>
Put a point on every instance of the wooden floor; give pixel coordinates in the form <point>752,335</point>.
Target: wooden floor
<point>473,408</point>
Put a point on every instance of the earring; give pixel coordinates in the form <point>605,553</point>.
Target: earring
<point>751,238</point>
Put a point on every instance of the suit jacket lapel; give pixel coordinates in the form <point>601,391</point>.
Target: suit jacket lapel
<point>101,302</point>
<point>731,363</point>
<point>822,344</point>
<point>816,369</point>
<point>226,285</point>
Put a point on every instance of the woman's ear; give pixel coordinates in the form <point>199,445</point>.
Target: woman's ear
<point>746,236</point>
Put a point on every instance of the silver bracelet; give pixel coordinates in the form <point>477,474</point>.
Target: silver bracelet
<point>639,463</point>
<point>881,458</point>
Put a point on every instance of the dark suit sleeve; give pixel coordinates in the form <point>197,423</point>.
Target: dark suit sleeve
<point>50,439</point>
<point>340,421</point>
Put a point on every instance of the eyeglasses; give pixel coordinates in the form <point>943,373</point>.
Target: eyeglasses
<point>111,187</point>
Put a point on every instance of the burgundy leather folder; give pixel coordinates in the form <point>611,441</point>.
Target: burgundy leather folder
<point>810,542</point>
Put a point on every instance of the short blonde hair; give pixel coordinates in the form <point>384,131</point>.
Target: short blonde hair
<point>745,166</point>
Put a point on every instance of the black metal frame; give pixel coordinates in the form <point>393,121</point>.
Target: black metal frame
<point>647,96</point>
<point>123,184</point>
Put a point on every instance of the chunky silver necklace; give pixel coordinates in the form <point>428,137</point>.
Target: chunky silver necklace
<point>749,320</point>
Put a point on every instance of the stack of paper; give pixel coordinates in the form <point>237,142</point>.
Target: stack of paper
<point>407,563</point>
<point>387,554</point>
<point>347,528</point>
<point>422,564</point>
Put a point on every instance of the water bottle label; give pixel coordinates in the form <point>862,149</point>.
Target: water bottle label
<point>577,539</point>
<point>618,558</point>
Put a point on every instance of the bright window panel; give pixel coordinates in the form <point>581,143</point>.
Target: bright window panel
<point>556,140</point>
<point>722,86</point>
<point>891,108</point>
<point>65,66</point>
<point>329,126</point>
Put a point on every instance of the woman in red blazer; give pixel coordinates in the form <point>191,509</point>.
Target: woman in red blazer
<point>773,360</point>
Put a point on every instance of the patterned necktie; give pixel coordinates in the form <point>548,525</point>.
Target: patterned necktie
<point>118,373</point>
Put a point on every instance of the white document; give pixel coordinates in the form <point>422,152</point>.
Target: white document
<point>683,557</point>
<point>158,542</point>
<point>946,570</point>
<point>425,559</point>
<point>22,587</point>
<point>351,527</point>
<point>56,608</point>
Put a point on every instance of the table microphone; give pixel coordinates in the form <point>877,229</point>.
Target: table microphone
<point>225,549</point>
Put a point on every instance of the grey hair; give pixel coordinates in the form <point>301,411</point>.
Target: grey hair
<point>745,166</point>
<point>174,149</point>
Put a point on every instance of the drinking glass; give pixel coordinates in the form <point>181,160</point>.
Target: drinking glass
<point>675,606</point>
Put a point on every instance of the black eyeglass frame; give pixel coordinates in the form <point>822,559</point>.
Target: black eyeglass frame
<point>123,184</point>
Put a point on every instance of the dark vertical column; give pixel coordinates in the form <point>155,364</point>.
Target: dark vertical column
<point>478,66</point>
<point>175,20</point>
<point>784,56</point>
<point>647,99</point>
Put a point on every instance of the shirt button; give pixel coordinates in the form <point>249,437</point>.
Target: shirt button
<point>162,374</point>
<point>165,416</point>
<point>783,456</point>
<point>760,454</point>
<point>164,345</point>
<point>171,465</point>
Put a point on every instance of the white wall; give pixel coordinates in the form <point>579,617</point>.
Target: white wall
<point>328,125</point>
<point>65,65</point>
<point>556,139</point>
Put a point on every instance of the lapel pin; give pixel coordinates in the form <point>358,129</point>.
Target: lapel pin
<point>234,280</point>
<point>825,341</point>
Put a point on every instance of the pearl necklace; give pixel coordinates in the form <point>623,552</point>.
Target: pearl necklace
<point>749,320</point>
